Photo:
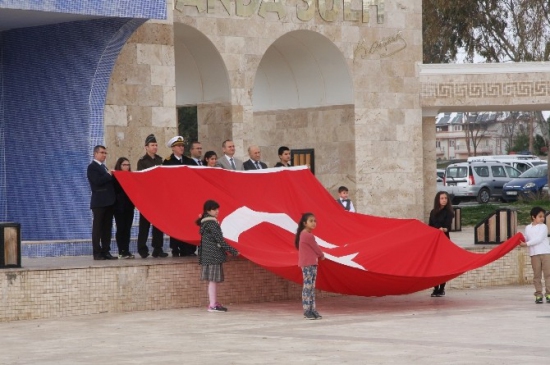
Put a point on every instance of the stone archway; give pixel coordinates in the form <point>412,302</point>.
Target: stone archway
<point>202,80</point>
<point>303,98</point>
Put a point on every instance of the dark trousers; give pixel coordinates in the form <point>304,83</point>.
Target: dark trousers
<point>124,221</point>
<point>181,248</point>
<point>102,229</point>
<point>439,288</point>
<point>143,233</point>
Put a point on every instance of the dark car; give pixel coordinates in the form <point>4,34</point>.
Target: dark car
<point>528,185</point>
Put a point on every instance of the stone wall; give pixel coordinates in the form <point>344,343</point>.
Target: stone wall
<point>121,287</point>
<point>141,98</point>
<point>378,53</point>
<point>328,130</point>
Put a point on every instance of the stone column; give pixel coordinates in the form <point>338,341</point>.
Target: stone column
<point>429,163</point>
<point>141,98</point>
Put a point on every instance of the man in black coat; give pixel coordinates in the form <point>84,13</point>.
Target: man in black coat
<point>177,144</point>
<point>254,163</point>
<point>150,159</point>
<point>102,204</point>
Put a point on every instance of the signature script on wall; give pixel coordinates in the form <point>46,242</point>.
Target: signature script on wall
<point>329,11</point>
<point>385,47</point>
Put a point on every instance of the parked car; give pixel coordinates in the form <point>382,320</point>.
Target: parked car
<point>477,180</point>
<point>529,184</point>
<point>522,164</point>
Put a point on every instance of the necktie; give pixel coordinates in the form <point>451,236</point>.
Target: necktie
<point>105,167</point>
<point>199,162</point>
<point>258,167</point>
<point>232,164</point>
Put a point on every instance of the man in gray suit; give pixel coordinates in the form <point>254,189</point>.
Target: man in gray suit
<point>228,161</point>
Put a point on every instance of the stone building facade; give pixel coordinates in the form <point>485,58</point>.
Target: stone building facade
<point>339,78</point>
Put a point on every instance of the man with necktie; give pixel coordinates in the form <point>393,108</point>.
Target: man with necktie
<point>195,149</point>
<point>254,162</point>
<point>102,204</point>
<point>344,200</point>
<point>228,161</point>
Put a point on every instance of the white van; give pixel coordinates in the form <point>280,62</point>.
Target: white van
<point>503,157</point>
<point>522,164</point>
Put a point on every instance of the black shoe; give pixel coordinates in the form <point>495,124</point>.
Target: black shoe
<point>316,314</point>
<point>99,258</point>
<point>434,293</point>
<point>160,253</point>
<point>144,255</point>
<point>441,293</point>
<point>309,315</point>
<point>176,253</point>
<point>108,256</point>
<point>125,256</point>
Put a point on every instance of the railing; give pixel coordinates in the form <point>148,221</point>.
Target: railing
<point>497,227</point>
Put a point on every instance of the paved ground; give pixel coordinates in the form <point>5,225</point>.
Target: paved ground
<point>491,326</point>
<point>484,326</point>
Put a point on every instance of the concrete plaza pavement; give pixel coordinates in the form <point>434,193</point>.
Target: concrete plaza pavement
<point>499,325</point>
<point>484,326</point>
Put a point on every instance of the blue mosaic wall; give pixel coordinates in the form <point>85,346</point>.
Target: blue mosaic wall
<point>54,80</point>
<point>152,9</point>
<point>3,207</point>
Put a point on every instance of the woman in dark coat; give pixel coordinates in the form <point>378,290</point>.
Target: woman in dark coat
<point>212,252</point>
<point>441,217</point>
<point>124,213</point>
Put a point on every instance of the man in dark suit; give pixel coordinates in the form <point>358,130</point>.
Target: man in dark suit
<point>254,163</point>
<point>195,149</point>
<point>150,159</point>
<point>102,204</point>
<point>177,144</point>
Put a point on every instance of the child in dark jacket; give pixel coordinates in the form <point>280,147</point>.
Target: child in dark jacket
<point>212,252</point>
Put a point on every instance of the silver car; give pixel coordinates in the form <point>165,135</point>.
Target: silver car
<point>477,180</point>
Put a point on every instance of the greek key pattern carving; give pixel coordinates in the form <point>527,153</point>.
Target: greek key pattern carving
<point>476,90</point>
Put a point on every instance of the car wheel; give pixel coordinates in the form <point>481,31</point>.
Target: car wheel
<point>455,200</point>
<point>483,196</point>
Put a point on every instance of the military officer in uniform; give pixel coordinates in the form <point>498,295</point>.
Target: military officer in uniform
<point>177,144</point>
<point>150,159</point>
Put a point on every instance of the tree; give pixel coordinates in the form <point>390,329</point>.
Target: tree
<point>493,30</point>
<point>474,130</point>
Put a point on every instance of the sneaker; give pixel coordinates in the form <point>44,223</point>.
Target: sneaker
<point>316,314</point>
<point>221,307</point>
<point>309,315</point>
<point>538,300</point>
<point>125,256</point>
<point>217,308</point>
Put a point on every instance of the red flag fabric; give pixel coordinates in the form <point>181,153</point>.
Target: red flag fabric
<point>259,210</point>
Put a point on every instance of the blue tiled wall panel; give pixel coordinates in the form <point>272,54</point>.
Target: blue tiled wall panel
<point>3,207</point>
<point>55,80</point>
<point>152,9</point>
